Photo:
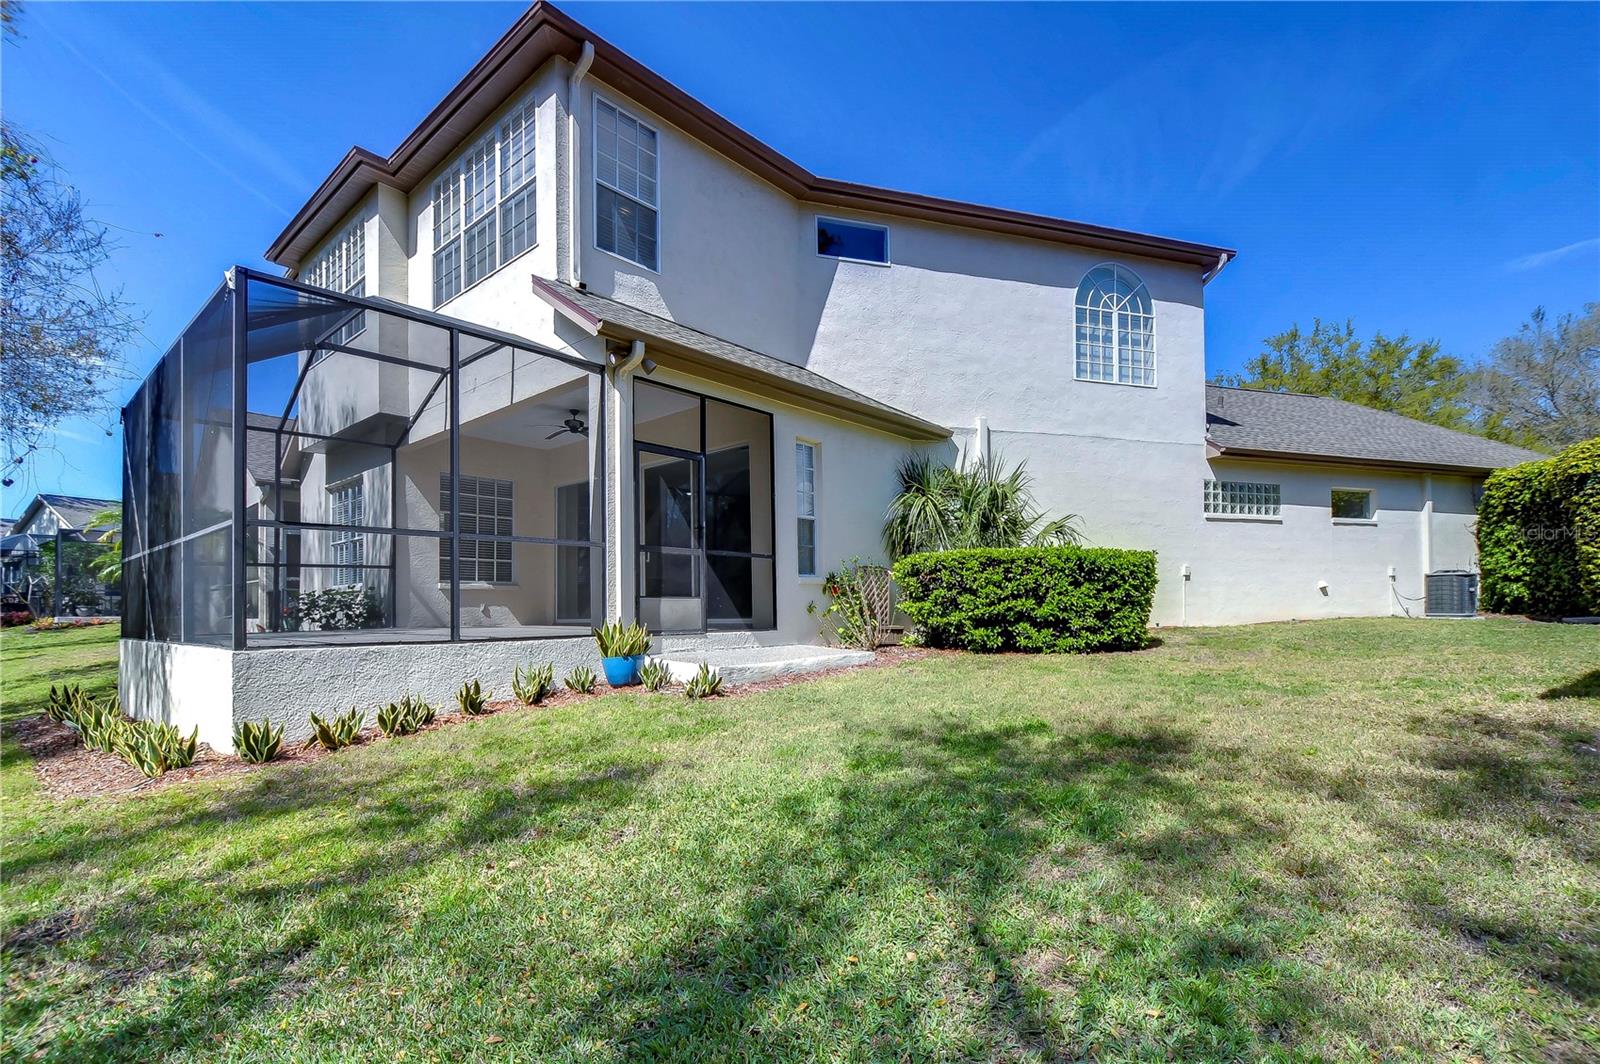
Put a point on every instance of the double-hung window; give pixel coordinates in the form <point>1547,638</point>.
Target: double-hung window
<point>483,213</point>
<point>347,506</point>
<point>485,512</point>
<point>1238,498</point>
<point>342,267</point>
<point>625,191</point>
<point>805,505</point>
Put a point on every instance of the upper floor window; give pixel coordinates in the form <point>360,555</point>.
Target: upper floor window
<point>1116,339</point>
<point>342,267</point>
<point>857,241</point>
<point>483,206</point>
<point>626,169</point>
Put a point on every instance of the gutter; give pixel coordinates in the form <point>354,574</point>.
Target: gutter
<point>1222,262</point>
<point>574,210</point>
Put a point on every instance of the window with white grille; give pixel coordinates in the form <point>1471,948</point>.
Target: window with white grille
<point>1116,337</point>
<point>626,169</point>
<point>805,484</point>
<point>485,511</point>
<point>342,267</point>
<point>347,505</point>
<point>1238,498</point>
<point>483,214</point>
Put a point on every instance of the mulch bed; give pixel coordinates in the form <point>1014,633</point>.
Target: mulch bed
<point>69,770</point>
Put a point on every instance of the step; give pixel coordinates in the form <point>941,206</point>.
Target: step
<point>753,664</point>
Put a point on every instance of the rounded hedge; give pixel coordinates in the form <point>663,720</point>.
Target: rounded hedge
<point>1539,535</point>
<point>1041,599</point>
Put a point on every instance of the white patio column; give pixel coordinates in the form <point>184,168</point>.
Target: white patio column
<point>622,548</point>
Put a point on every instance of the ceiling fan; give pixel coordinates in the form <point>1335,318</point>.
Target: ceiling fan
<point>573,424</point>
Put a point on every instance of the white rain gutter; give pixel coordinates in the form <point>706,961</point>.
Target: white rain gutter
<point>574,210</point>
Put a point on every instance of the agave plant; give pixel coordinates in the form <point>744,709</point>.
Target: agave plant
<point>707,683</point>
<point>257,743</point>
<point>337,733</point>
<point>618,640</point>
<point>535,685</point>
<point>980,504</point>
<point>471,699</point>
<point>394,719</point>
<point>581,680</point>
<point>655,675</point>
<point>177,750</point>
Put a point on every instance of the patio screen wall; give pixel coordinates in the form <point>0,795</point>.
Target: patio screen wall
<point>304,467</point>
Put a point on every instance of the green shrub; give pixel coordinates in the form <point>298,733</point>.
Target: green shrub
<point>471,700</point>
<point>1539,535</point>
<point>257,743</point>
<point>1041,599</point>
<point>655,675</point>
<point>707,683</point>
<point>535,685</point>
<point>618,640</point>
<point>581,680</point>
<point>859,604</point>
<point>337,733</point>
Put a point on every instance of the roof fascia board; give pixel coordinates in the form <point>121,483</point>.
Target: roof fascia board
<point>1396,465</point>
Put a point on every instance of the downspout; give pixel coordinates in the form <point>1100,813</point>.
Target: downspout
<point>574,209</point>
<point>1222,260</point>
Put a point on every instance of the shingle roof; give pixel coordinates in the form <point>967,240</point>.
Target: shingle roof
<point>258,447</point>
<point>702,351</point>
<point>76,510</point>
<point>1247,421</point>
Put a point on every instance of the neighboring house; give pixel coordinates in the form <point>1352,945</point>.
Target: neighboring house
<point>582,348</point>
<point>28,573</point>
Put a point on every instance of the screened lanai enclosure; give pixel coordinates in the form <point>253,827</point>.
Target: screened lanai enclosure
<point>306,468</point>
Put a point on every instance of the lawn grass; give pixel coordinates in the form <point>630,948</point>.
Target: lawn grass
<point>1340,840</point>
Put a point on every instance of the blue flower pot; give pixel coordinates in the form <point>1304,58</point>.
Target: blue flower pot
<point>622,672</point>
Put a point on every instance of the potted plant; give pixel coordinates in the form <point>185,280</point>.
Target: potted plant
<point>622,651</point>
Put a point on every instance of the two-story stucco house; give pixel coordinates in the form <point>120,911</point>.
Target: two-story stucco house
<point>582,348</point>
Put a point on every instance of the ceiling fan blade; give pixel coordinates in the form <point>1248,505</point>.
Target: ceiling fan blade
<point>557,432</point>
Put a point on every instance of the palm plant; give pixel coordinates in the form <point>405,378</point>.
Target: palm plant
<point>978,504</point>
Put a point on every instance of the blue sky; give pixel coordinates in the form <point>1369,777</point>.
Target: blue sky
<point>1432,169</point>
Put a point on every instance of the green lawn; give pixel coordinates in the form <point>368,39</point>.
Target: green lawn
<point>1340,840</point>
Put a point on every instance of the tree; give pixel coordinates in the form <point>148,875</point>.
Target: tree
<point>1398,374</point>
<point>107,565</point>
<point>977,505</point>
<point>61,333</point>
<point>1541,387</point>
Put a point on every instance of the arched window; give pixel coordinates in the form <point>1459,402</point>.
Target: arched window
<point>1116,329</point>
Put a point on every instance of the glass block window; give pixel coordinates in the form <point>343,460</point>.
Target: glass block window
<point>485,511</point>
<point>1116,328</point>
<point>1237,498</point>
<point>342,267</point>
<point>805,486</point>
<point>483,206</point>
<point>626,175</point>
<point>347,506</point>
<point>1351,504</point>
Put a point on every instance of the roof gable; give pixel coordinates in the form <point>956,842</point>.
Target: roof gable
<point>544,32</point>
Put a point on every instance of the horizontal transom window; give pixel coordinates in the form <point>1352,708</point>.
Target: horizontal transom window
<point>857,241</point>
<point>1240,498</point>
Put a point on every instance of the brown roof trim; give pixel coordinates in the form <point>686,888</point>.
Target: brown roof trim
<point>1396,465</point>
<point>825,395</point>
<point>544,32</point>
